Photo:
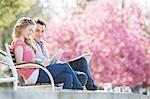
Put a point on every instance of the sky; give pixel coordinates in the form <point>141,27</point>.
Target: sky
<point>144,4</point>
<point>60,3</point>
<point>59,6</point>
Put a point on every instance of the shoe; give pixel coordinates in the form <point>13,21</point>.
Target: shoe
<point>94,87</point>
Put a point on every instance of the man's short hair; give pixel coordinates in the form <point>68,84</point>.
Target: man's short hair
<point>40,21</point>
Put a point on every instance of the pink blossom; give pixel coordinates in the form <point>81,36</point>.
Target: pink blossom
<point>120,53</point>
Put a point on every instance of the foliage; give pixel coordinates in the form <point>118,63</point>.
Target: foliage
<point>10,10</point>
<point>113,33</point>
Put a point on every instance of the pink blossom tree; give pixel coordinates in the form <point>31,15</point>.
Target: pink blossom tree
<point>112,31</point>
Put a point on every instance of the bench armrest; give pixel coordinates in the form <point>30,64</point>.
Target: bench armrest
<point>35,65</point>
<point>28,65</point>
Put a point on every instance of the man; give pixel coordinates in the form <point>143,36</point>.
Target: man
<point>79,65</point>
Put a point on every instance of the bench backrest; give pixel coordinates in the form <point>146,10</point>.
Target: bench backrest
<point>12,57</point>
<point>12,65</point>
<point>10,52</point>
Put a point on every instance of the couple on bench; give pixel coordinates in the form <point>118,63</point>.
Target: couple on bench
<point>27,46</point>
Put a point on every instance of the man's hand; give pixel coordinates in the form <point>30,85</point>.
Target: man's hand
<point>46,63</point>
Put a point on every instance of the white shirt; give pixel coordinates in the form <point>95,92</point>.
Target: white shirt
<point>39,54</point>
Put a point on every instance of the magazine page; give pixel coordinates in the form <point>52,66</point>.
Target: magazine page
<point>87,56</point>
<point>56,56</point>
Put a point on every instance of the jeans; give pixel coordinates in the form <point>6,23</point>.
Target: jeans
<point>62,73</point>
<point>82,77</point>
<point>81,65</point>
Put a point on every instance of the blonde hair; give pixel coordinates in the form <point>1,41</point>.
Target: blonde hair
<point>23,23</point>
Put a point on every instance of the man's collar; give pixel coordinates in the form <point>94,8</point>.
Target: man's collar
<point>39,42</point>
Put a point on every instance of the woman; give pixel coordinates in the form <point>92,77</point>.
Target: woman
<point>24,52</point>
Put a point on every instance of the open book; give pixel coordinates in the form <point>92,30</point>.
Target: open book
<point>58,53</point>
<point>87,56</point>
